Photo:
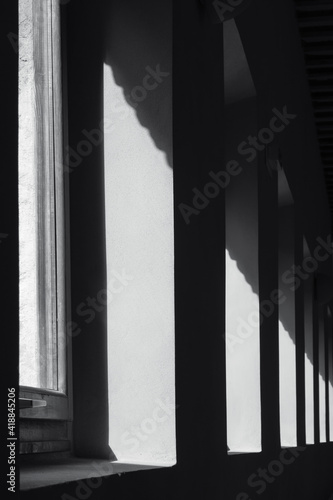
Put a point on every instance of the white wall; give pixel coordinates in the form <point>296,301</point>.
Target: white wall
<point>139,239</point>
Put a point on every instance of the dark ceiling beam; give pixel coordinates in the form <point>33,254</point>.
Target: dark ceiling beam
<point>320,109</point>
<point>321,78</point>
<point>327,119</point>
<point>318,37</point>
<point>315,21</point>
<point>321,88</point>
<point>312,7</point>
<point>319,65</point>
<point>326,128</point>
<point>324,50</point>
<point>321,100</point>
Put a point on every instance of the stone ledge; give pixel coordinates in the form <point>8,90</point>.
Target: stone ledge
<point>42,473</point>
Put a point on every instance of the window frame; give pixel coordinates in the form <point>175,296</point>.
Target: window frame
<point>53,251</point>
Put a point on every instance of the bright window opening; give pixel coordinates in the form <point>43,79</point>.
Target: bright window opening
<point>308,344</point>
<point>322,374</point>
<point>330,370</point>
<point>140,250</point>
<point>287,333</point>
<point>242,303</point>
<point>41,199</point>
<point>241,256</point>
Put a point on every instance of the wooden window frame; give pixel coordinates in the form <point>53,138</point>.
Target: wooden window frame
<point>52,239</point>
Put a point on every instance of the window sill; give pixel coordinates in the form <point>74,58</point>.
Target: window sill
<point>43,472</point>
